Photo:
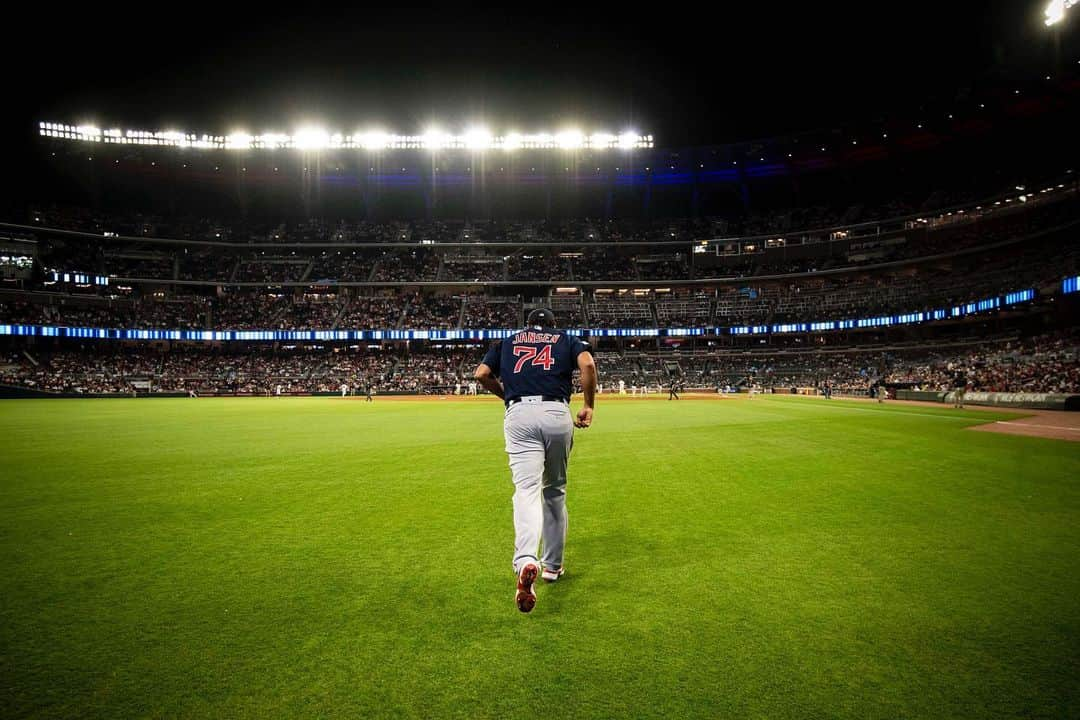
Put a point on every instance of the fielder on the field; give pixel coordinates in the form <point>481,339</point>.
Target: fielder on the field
<point>531,371</point>
<point>960,383</point>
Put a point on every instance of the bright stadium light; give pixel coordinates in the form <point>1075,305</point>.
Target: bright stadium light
<point>478,139</point>
<point>570,139</point>
<point>272,141</point>
<point>475,139</point>
<point>88,132</point>
<point>374,140</point>
<point>1055,10</point>
<point>540,140</point>
<point>601,140</point>
<point>512,141</point>
<point>434,139</point>
<point>238,141</point>
<point>311,139</point>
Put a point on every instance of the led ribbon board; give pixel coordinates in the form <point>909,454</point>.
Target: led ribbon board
<point>79,278</point>
<point>313,335</point>
<point>1013,298</point>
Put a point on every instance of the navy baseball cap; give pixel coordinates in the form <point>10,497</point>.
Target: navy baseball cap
<point>541,317</point>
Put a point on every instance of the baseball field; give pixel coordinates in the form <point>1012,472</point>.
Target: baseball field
<point>326,557</point>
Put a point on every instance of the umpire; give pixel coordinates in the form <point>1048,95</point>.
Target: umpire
<point>531,371</point>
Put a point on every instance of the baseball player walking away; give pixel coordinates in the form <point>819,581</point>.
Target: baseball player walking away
<point>531,371</point>
<point>369,389</point>
<point>960,382</point>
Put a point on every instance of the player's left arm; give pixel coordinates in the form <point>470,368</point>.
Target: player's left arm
<point>587,367</point>
<point>486,377</point>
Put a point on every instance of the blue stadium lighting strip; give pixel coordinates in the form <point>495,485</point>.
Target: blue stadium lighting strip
<point>1013,298</point>
<point>1070,285</point>
<point>79,278</point>
<point>1021,296</point>
<point>87,333</point>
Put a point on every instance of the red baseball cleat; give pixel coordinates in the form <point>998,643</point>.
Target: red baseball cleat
<point>526,596</point>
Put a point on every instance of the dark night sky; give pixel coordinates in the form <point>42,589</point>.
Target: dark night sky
<point>692,78</point>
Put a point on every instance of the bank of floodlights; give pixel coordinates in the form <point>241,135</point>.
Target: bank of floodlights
<point>1055,10</point>
<point>310,139</point>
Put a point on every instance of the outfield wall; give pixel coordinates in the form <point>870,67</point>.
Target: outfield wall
<point>1027,401</point>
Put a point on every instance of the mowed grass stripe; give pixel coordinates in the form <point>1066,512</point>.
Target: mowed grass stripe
<point>325,557</point>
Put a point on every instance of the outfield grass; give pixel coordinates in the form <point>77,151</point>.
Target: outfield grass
<point>774,558</point>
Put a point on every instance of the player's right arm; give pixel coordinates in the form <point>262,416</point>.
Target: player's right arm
<point>488,370</point>
<point>587,366</point>
<point>486,377</point>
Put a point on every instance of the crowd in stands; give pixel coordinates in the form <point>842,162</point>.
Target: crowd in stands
<point>378,311</point>
<point>482,311</point>
<point>436,312</point>
<point>1046,363</point>
<point>119,253</point>
<point>812,293</point>
<point>806,298</point>
<point>482,269</point>
<point>111,370</point>
<point>407,265</point>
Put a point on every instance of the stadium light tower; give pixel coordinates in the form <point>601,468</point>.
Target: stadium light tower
<point>475,139</point>
<point>1055,11</point>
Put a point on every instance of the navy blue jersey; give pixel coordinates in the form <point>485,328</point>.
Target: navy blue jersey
<point>536,362</point>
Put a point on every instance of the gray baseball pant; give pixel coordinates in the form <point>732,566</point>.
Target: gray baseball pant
<point>539,436</point>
